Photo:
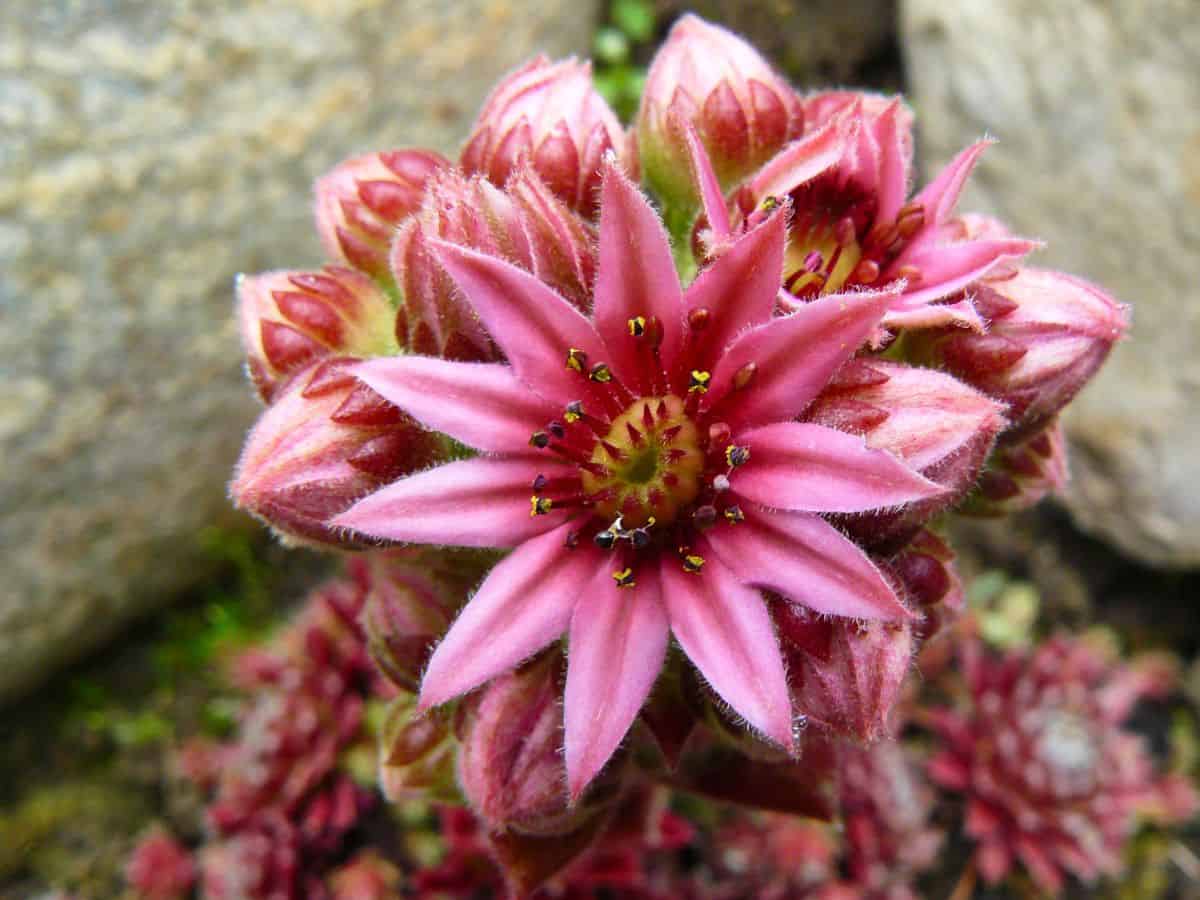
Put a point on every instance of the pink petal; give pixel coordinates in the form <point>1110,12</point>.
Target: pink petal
<point>617,646</point>
<point>940,195</point>
<point>523,604</point>
<point>806,559</point>
<point>481,404</point>
<point>533,325</point>
<point>799,162</point>
<point>949,268</point>
<point>893,162</point>
<point>636,278</point>
<point>738,289</point>
<point>794,356</point>
<point>471,503</point>
<point>708,184</point>
<point>812,468</point>
<point>961,314</point>
<point>724,628</point>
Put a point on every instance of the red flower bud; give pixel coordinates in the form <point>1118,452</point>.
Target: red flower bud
<point>510,763</point>
<point>289,320</point>
<point>741,108</point>
<point>408,609</point>
<point>925,574</point>
<point>935,423</point>
<point>549,115</point>
<point>1047,334</point>
<point>360,203</point>
<point>525,224</point>
<point>416,755</point>
<point>327,441</point>
<point>845,674</point>
<point>1020,473</point>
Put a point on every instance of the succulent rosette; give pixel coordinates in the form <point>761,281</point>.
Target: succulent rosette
<point>1038,749</point>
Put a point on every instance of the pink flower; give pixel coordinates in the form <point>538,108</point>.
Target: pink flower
<point>645,465</point>
<point>852,226</point>
<point>709,78</point>
<point>550,116</point>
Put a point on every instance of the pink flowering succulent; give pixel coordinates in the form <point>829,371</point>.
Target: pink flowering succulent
<point>1036,747</point>
<point>645,467</point>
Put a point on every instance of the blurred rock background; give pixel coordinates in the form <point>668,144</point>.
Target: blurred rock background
<point>149,151</point>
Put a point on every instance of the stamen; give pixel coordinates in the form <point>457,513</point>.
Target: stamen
<point>866,272</point>
<point>574,412</point>
<point>557,430</point>
<point>601,373</point>
<point>605,539</point>
<point>539,439</point>
<point>576,359</point>
<point>770,203</point>
<point>654,332</point>
<point>624,578</point>
<point>844,232</point>
<point>637,326</point>
<point>699,318</point>
<point>814,261</point>
<point>733,514</point>
<point>539,506</point>
<point>640,538</point>
<point>737,456</point>
<point>539,483</point>
<point>911,274</point>
<point>705,516</point>
<point>693,563</point>
<point>572,540</point>
<point>699,381</point>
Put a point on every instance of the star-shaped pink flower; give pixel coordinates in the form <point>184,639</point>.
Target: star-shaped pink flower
<point>646,467</point>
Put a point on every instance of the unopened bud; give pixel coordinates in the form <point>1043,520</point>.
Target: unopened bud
<point>549,115</point>
<point>289,320</point>
<point>935,423</point>
<point>510,763</point>
<point>1020,473</point>
<point>326,442</point>
<point>1047,335</point>
<point>416,755</point>
<point>927,576</point>
<point>845,674</point>
<point>360,203</point>
<point>742,109</point>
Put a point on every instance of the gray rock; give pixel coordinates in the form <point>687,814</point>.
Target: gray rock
<point>149,151</point>
<point>1095,108</point>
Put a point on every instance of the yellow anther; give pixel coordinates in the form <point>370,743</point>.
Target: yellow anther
<point>699,381</point>
<point>601,373</point>
<point>624,578</point>
<point>576,359</point>
<point>734,514</point>
<point>770,203</point>
<point>574,412</point>
<point>693,563</point>
<point>637,326</point>
<point>539,506</point>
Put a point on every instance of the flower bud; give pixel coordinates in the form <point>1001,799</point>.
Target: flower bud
<point>407,611</point>
<point>510,763</point>
<point>1047,334</point>
<point>935,423</point>
<point>416,755</point>
<point>327,441</point>
<point>1020,473</point>
<point>845,674</point>
<point>360,203</point>
<point>926,575</point>
<point>549,115</point>
<point>525,224</point>
<point>291,319</point>
<point>742,110</point>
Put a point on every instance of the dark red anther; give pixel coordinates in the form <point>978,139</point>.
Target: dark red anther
<point>744,376</point>
<point>557,430</point>
<point>719,434</point>
<point>539,483</point>
<point>844,232</point>
<point>699,318</point>
<point>654,333</point>
<point>705,516</point>
<point>866,272</point>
